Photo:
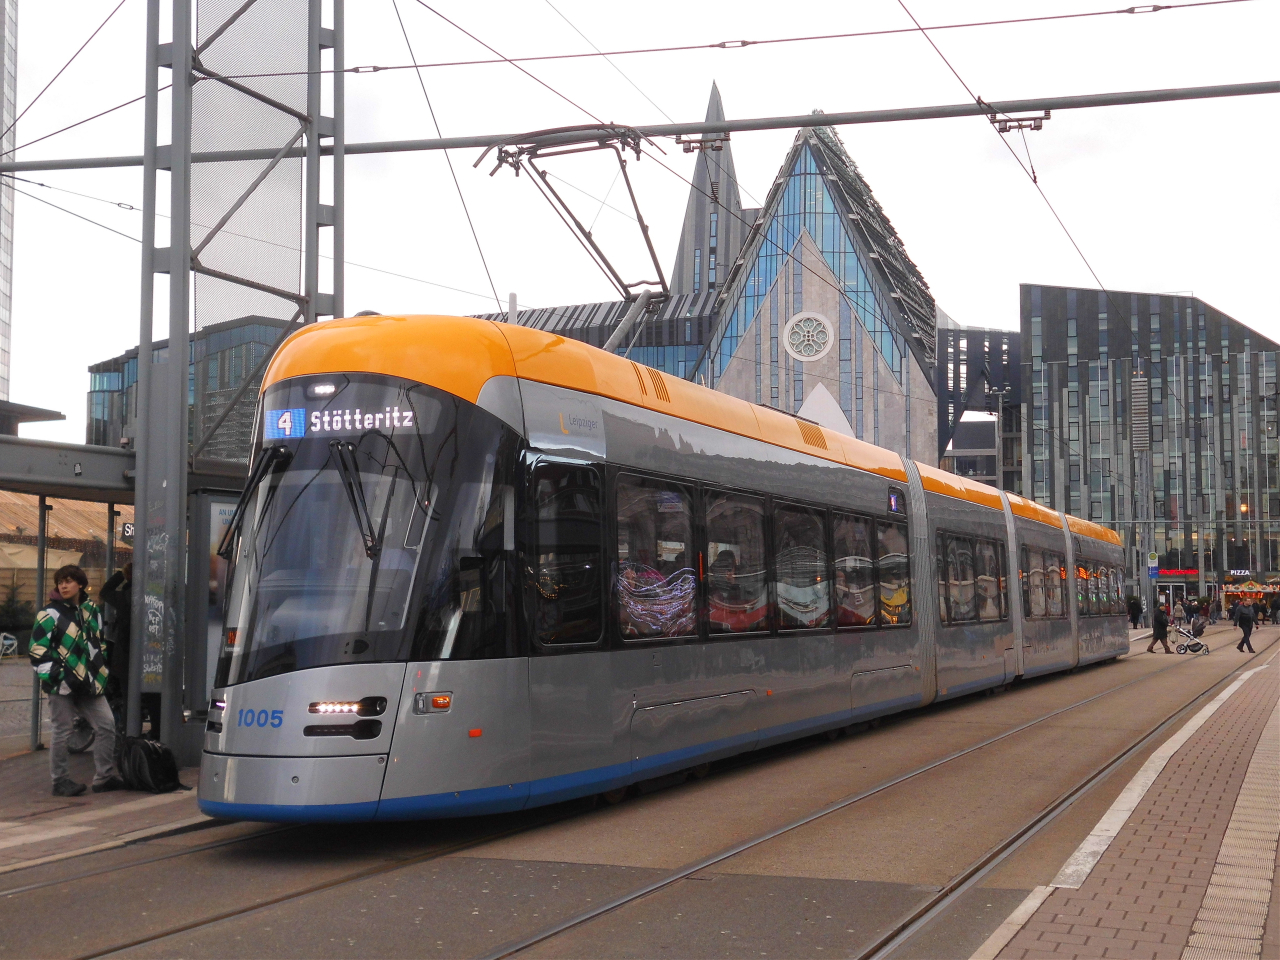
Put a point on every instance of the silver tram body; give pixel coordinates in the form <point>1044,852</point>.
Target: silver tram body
<point>457,608</point>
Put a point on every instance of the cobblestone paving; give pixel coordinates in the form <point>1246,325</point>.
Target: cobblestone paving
<point>1144,895</point>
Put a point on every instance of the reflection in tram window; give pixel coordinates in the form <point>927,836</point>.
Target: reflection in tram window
<point>737,587</point>
<point>1024,578</point>
<point>987,578</point>
<point>960,579</point>
<point>1083,599</point>
<point>1038,602</point>
<point>855,572</point>
<point>566,583</point>
<point>944,598</point>
<point>1055,582</point>
<point>893,564</point>
<point>656,583</point>
<point>800,557</point>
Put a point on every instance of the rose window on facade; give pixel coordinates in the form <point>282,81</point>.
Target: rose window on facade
<point>808,336</point>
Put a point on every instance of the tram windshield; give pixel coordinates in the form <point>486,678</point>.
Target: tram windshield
<point>362,489</point>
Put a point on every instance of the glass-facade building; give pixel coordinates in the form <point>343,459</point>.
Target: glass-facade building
<point>808,304</point>
<point>1155,411</point>
<point>221,357</point>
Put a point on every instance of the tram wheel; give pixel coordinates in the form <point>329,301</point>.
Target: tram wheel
<point>613,797</point>
<point>701,771</point>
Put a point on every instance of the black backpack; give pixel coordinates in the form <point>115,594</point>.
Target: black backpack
<point>147,765</point>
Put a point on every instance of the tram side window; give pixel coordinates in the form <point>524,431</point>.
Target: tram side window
<point>960,579</point>
<point>987,580</point>
<point>1055,586</point>
<point>1024,578</point>
<point>1039,604</point>
<point>737,580</point>
<point>944,597</point>
<point>1083,599</point>
<point>800,560</point>
<point>855,571</point>
<point>566,581</point>
<point>656,584</point>
<point>894,565</point>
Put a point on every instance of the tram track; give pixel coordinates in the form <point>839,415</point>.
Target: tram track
<point>915,920</point>
<point>515,947</point>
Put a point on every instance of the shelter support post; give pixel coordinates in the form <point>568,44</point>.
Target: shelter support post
<point>42,543</point>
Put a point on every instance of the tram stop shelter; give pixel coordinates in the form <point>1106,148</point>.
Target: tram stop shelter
<point>86,493</point>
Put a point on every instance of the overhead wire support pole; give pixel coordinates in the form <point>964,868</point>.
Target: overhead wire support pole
<point>569,135</point>
<point>142,444</point>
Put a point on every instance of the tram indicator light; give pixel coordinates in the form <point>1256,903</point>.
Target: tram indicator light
<point>475,733</point>
<point>441,702</point>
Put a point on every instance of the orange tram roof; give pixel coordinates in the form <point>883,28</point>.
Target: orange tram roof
<point>461,354</point>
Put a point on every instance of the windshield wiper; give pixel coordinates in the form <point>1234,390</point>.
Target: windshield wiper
<point>271,457</point>
<point>344,455</point>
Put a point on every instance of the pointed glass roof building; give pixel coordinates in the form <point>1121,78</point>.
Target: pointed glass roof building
<point>809,304</point>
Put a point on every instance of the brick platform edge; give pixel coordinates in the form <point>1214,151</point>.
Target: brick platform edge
<point>1145,893</point>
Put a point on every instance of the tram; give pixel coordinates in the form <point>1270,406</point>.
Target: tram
<point>478,567</point>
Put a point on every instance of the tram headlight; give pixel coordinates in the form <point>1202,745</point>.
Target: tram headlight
<point>368,707</point>
<point>316,391</point>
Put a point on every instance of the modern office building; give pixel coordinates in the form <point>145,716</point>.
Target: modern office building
<point>221,356</point>
<point>1155,414</point>
<point>978,383</point>
<point>809,304</point>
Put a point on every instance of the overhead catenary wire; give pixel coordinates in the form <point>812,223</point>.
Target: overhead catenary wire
<point>1035,180</point>
<point>742,44</point>
<point>608,60</point>
<point>448,159</point>
<point>507,59</point>
<point>61,71</point>
<point>271,243</point>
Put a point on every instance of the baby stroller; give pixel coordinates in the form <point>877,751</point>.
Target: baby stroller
<point>1191,642</point>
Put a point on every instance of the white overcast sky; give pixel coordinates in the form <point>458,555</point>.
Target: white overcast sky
<point>1166,197</point>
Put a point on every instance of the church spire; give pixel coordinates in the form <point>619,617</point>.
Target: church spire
<point>715,223</point>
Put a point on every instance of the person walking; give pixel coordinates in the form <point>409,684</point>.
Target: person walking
<point>1135,611</point>
<point>1159,631</point>
<point>66,653</point>
<point>1244,620</point>
<point>1215,610</point>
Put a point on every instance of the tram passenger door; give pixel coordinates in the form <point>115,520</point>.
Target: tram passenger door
<point>577,730</point>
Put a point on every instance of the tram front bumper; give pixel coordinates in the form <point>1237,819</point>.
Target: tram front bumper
<point>290,789</point>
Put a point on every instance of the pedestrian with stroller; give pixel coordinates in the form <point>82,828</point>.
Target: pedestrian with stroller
<point>66,653</point>
<point>1244,620</point>
<point>1159,631</point>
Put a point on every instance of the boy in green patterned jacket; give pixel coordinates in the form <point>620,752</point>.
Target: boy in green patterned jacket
<point>66,652</point>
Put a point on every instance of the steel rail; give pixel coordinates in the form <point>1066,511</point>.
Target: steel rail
<point>516,946</point>
<point>443,850</point>
<point>119,867</point>
<point>450,849</point>
<point>568,135</point>
<point>925,913</point>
